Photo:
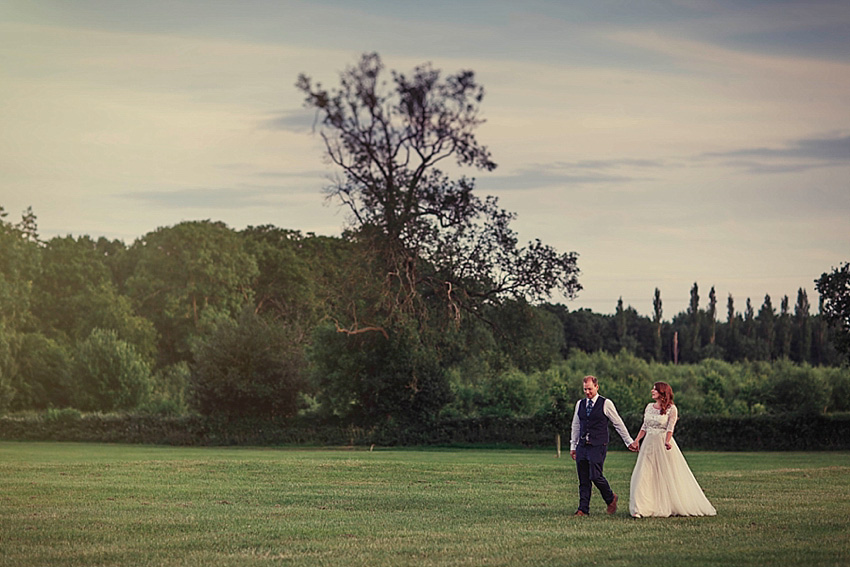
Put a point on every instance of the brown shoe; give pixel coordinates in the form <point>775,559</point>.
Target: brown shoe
<point>580,513</point>
<point>612,507</point>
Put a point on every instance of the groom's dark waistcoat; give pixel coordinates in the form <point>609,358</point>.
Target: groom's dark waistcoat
<point>594,427</point>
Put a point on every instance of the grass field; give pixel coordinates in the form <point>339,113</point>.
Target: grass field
<point>90,505</point>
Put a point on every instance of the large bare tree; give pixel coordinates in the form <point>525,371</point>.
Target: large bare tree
<point>430,235</point>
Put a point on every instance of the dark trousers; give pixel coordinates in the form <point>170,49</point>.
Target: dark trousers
<point>589,462</point>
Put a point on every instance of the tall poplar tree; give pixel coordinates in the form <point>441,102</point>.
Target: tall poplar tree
<point>767,328</point>
<point>620,318</point>
<point>656,319</point>
<point>694,314</point>
<point>733,340</point>
<point>801,350</point>
<point>784,329</point>
<point>730,311</point>
<point>712,315</point>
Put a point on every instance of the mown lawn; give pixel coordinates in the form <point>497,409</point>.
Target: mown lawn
<point>91,505</point>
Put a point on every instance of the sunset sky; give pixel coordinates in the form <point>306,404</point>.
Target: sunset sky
<point>666,142</point>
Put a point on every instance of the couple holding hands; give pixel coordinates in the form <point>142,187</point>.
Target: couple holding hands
<point>662,483</point>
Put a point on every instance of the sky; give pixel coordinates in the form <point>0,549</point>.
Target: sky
<point>667,143</point>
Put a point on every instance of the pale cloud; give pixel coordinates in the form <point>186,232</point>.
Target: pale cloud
<point>546,177</point>
<point>229,198</point>
<point>826,151</point>
<point>292,121</point>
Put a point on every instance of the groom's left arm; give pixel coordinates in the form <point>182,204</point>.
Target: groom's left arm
<point>617,422</point>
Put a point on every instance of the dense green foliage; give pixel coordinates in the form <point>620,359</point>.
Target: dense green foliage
<point>259,325</point>
<point>70,505</point>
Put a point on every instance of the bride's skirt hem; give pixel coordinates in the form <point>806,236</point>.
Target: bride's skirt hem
<point>694,515</point>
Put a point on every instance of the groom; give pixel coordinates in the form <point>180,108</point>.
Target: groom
<point>589,444</point>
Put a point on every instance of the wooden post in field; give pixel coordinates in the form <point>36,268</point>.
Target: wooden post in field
<point>558,444</point>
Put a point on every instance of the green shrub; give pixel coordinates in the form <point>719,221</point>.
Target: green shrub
<point>797,389</point>
<point>373,379</point>
<point>169,390</point>
<point>511,393</point>
<point>109,374</point>
<point>839,383</point>
<point>248,367</point>
<point>43,373</point>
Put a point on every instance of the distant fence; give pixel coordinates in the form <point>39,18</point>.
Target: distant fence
<point>752,433</point>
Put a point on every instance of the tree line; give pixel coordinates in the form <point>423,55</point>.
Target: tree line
<point>198,317</point>
<point>796,333</point>
<point>428,304</point>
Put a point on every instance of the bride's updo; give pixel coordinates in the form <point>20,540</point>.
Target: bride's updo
<point>665,396</point>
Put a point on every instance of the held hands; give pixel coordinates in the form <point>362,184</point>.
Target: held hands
<point>573,455</point>
<point>668,445</point>
<point>634,447</point>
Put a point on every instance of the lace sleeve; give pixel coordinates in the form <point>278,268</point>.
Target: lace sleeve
<point>672,418</point>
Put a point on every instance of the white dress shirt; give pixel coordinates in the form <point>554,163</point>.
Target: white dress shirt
<point>610,413</point>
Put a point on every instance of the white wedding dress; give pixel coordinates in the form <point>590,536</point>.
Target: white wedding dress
<point>662,483</point>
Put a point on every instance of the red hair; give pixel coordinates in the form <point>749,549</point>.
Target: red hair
<point>665,396</point>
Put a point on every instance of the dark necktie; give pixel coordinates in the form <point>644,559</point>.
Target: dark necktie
<point>589,407</point>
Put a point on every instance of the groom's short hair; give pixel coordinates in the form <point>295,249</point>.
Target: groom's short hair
<point>590,379</point>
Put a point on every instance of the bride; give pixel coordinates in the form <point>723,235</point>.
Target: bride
<point>662,483</point>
